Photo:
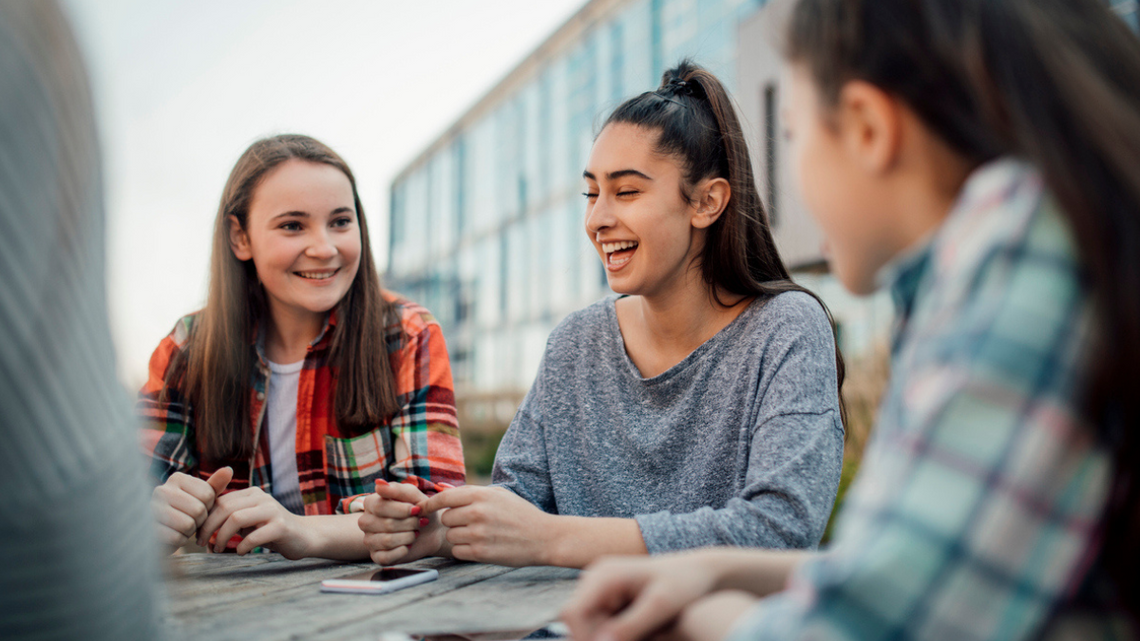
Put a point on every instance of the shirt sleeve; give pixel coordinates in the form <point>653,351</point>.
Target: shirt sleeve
<point>167,429</point>
<point>521,464</point>
<point>425,432</point>
<point>978,498</point>
<point>795,454</point>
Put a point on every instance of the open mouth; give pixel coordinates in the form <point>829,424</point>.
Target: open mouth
<point>318,275</point>
<point>619,253</point>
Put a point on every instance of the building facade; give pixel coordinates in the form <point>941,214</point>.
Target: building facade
<point>486,224</point>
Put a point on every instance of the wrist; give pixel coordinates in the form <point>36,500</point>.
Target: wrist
<point>556,540</point>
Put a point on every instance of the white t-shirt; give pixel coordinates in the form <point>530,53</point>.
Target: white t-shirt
<point>281,421</point>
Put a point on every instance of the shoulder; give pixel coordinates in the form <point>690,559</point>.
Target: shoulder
<point>582,326</point>
<point>415,321</point>
<point>790,314</point>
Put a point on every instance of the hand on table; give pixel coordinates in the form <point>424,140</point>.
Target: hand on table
<point>492,525</point>
<point>262,522</point>
<point>395,528</point>
<point>182,504</point>
<point>631,598</point>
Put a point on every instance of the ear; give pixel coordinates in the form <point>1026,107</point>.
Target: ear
<point>870,124</point>
<point>239,240</point>
<point>712,195</point>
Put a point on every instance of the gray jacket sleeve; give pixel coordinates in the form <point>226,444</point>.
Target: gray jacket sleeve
<point>521,464</point>
<point>795,455</point>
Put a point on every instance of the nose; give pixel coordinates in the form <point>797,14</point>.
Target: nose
<point>599,216</point>
<point>321,246</point>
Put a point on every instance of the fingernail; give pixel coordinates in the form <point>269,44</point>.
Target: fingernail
<point>424,521</point>
<point>417,534</point>
<point>416,510</point>
<point>447,485</point>
<point>381,482</point>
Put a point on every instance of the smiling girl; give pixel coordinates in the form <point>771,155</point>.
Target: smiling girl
<point>698,407</point>
<point>301,383</point>
<point>981,158</point>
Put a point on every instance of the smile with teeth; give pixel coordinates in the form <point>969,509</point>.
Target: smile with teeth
<point>318,275</point>
<point>618,253</point>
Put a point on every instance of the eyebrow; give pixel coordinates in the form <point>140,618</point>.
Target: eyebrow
<point>301,214</point>
<point>614,175</point>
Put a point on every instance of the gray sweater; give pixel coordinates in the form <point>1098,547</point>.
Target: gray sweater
<point>738,444</point>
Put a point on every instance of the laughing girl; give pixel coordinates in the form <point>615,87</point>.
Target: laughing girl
<point>698,407</point>
<point>302,383</point>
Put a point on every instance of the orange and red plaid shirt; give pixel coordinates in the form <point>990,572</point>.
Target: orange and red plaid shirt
<point>419,444</point>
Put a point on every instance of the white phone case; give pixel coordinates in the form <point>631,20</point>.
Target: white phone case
<point>377,587</point>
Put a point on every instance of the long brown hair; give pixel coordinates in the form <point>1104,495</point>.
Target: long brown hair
<point>1056,82</point>
<point>696,123</point>
<point>215,369</point>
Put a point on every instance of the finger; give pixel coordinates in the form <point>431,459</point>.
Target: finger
<point>456,497</point>
<point>170,537</point>
<point>381,506</point>
<point>403,492</point>
<point>651,609</point>
<point>601,594</point>
<point>248,517</point>
<point>260,537</point>
<point>218,482</point>
<point>384,542</point>
<point>175,520</point>
<point>461,516</point>
<point>371,523</point>
<point>186,504</point>
<point>463,553</point>
<point>389,557</point>
<point>195,487</point>
<point>465,535</point>
<point>226,506</point>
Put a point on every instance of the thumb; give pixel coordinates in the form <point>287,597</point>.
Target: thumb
<point>220,480</point>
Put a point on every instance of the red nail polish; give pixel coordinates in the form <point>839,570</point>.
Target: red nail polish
<point>381,482</point>
<point>424,521</point>
<point>417,534</point>
<point>416,510</point>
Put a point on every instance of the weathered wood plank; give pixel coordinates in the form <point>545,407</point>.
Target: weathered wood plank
<point>525,599</point>
<point>280,599</point>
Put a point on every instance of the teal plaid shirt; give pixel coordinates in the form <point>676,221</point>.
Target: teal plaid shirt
<point>976,512</point>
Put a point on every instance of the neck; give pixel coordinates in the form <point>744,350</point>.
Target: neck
<point>288,334</point>
<point>685,316</point>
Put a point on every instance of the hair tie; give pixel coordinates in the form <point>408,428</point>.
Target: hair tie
<point>678,86</point>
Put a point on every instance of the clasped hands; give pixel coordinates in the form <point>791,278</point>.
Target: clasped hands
<point>471,523</point>
<point>189,508</point>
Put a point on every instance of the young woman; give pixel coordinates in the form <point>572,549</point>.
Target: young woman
<point>699,407</point>
<point>982,158</point>
<point>301,383</point>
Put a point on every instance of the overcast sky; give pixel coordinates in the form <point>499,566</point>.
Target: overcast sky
<point>183,87</point>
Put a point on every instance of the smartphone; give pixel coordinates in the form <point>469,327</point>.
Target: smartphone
<point>379,581</point>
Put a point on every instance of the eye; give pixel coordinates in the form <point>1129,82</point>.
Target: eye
<point>344,221</point>
<point>588,195</point>
<point>628,192</point>
<point>292,225</point>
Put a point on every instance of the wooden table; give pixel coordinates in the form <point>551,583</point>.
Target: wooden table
<point>264,596</point>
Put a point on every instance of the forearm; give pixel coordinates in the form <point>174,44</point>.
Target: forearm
<point>335,536</point>
<point>576,541</point>
<point>759,572</point>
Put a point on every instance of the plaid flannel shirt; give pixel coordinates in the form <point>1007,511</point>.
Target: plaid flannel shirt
<point>976,512</point>
<point>419,444</point>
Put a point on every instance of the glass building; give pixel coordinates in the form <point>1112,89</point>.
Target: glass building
<point>486,224</point>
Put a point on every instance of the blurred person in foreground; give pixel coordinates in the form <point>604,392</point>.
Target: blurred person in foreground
<point>982,159</point>
<point>77,556</point>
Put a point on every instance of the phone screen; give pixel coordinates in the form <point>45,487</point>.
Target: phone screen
<point>383,574</point>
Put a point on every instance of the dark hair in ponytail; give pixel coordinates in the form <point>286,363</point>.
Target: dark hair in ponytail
<point>696,123</point>
<point>1055,82</point>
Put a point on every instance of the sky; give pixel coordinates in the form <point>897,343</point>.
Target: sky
<point>183,87</point>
